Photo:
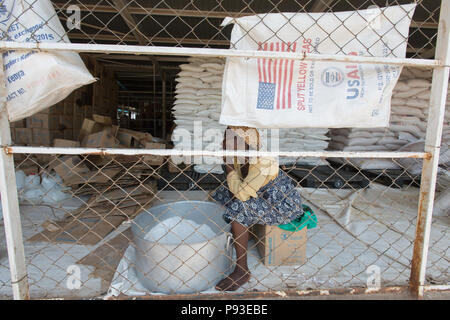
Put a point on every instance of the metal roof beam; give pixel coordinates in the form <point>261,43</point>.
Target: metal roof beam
<point>133,26</point>
<point>139,58</point>
<point>318,6</point>
<point>129,38</point>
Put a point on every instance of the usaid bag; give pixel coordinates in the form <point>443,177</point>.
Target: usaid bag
<point>273,93</point>
<point>37,80</point>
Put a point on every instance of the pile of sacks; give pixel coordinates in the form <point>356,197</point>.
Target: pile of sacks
<point>410,105</point>
<point>198,98</point>
<point>409,114</point>
<point>299,139</point>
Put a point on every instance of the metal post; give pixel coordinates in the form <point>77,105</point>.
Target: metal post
<point>432,146</point>
<point>10,204</point>
<point>154,100</point>
<point>164,107</point>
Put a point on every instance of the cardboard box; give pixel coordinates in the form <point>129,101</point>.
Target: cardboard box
<point>54,110</point>
<point>154,160</point>
<point>88,127</point>
<point>43,121</point>
<point>102,139</point>
<point>68,108</point>
<point>125,138</point>
<point>18,124</point>
<point>131,138</point>
<point>43,159</point>
<point>77,121</point>
<point>279,247</point>
<point>73,171</point>
<point>114,130</point>
<point>64,143</point>
<point>174,168</point>
<point>57,109</point>
<point>45,137</point>
<point>66,121</point>
<point>104,120</point>
<point>68,134</point>
<point>23,136</point>
<point>87,111</point>
<point>70,168</point>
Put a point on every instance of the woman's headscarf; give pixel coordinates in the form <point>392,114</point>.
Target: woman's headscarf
<point>249,135</point>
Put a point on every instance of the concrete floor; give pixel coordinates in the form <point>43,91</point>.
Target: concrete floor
<point>44,270</point>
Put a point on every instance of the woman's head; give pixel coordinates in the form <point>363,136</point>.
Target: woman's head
<point>242,138</point>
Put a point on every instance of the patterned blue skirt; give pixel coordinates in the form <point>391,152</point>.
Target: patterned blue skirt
<point>278,202</point>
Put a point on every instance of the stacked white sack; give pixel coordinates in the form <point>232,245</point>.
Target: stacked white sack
<point>307,139</point>
<point>198,98</point>
<point>409,114</point>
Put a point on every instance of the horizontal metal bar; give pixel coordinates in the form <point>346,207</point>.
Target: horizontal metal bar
<point>160,50</point>
<point>436,287</point>
<point>399,290</point>
<point>289,293</point>
<point>228,153</point>
<point>181,40</point>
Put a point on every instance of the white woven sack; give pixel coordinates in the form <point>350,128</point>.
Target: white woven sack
<point>37,80</point>
<point>263,93</point>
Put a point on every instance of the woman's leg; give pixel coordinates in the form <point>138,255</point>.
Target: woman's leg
<point>241,273</point>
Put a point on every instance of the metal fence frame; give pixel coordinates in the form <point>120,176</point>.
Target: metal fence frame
<point>430,156</point>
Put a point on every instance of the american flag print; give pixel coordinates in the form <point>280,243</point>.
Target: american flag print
<point>275,77</point>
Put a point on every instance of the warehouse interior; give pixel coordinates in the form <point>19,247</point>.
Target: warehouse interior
<point>137,94</point>
<point>136,89</point>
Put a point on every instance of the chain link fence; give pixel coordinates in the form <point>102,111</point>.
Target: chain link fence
<point>102,224</point>
<point>366,221</point>
<point>188,23</point>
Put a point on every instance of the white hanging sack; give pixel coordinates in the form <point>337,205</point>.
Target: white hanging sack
<point>37,80</point>
<point>274,93</point>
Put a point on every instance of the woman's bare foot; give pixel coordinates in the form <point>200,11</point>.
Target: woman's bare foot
<point>234,281</point>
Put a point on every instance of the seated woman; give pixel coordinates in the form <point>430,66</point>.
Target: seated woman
<point>258,192</point>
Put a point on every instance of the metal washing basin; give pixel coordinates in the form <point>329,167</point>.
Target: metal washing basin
<point>183,267</point>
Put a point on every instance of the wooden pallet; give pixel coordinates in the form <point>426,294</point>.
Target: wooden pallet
<point>394,178</point>
<point>327,177</point>
<point>189,180</point>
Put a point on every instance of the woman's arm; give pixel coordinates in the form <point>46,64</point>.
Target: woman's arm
<point>256,178</point>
